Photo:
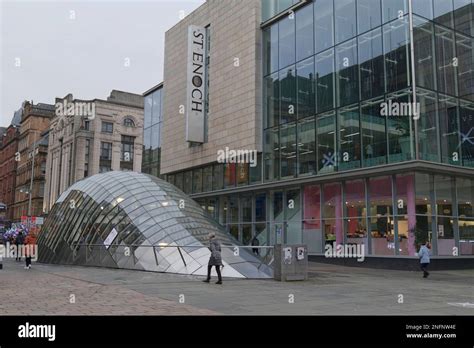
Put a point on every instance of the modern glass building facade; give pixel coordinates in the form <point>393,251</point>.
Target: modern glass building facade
<point>137,221</point>
<point>153,120</point>
<point>335,166</point>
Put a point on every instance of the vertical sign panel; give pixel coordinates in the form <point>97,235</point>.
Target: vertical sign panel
<point>196,90</point>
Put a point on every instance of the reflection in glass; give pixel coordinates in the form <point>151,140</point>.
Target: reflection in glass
<point>347,77</point>
<point>371,68</point>
<point>326,136</point>
<point>349,137</point>
<point>325,80</point>
<point>374,139</point>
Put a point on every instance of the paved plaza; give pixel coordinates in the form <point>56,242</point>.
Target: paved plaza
<point>331,290</point>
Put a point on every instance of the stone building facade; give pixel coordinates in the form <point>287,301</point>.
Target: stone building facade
<point>92,136</point>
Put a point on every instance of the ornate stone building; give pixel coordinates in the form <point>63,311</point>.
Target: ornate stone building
<point>92,136</point>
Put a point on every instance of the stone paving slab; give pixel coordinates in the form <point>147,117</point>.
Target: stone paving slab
<point>331,290</point>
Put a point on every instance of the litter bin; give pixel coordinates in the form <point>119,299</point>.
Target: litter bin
<point>291,262</point>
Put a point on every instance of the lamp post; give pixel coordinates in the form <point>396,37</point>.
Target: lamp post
<point>31,182</point>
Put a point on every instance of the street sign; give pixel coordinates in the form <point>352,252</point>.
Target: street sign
<point>39,220</point>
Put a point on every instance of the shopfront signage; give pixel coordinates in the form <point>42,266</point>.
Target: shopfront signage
<point>196,82</point>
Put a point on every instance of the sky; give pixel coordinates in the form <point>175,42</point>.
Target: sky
<point>49,49</point>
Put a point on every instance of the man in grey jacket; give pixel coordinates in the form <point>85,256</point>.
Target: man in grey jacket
<point>215,259</point>
<point>424,255</point>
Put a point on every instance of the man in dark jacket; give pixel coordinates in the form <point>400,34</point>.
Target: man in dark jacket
<point>215,259</point>
<point>18,242</point>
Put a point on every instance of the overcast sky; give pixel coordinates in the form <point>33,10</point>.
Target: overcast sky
<point>52,48</point>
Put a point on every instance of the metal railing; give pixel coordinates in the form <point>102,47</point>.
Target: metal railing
<point>265,254</point>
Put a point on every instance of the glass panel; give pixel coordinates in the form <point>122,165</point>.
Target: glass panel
<point>406,219</point>
<point>323,24</point>
<point>349,138</point>
<point>445,58</point>
<point>288,150</point>
<point>306,89</point>
<point>272,100</point>
<point>400,138</point>
<point>233,209</point>
<point>234,231</point>
<point>277,202</point>
<point>465,191</point>
<point>207,179</point>
<point>374,138</point>
<point>218,177</point>
<point>368,14</point>
<point>444,195</point>
<point>332,213</point>
<point>288,95</point>
<point>424,52</point>
<point>464,16</point>
<point>270,49</point>
<point>427,126</point>
<point>229,175</point>
<point>423,8</point>
<point>256,170</point>
<point>246,234</point>
<point>393,9</point>
<point>466,115</point>
<point>325,80</point>
<point>286,49</point>
<point>188,180</point>
<point>223,208</point>
<point>345,19</point>
<point>312,233</point>
<point>396,50</point>
<point>147,113</point>
<point>242,174</point>
<point>465,55</point>
<point>423,190</point>
<point>466,236</point>
<point>381,215</point>
<point>304,32</point>
<point>347,73</point>
<point>371,68</point>
<point>272,154</point>
<point>448,123</point>
<point>292,206</point>
<point>197,180</point>
<point>306,146</point>
<point>326,137</point>
<point>443,12</point>
<point>246,204</point>
<point>261,207</point>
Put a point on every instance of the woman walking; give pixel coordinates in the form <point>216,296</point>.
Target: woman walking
<point>424,255</point>
<point>215,259</point>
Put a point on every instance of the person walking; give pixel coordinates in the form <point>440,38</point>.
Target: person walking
<point>424,255</point>
<point>30,242</point>
<point>255,242</point>
<point>19,240</point>
<point>215,259</point>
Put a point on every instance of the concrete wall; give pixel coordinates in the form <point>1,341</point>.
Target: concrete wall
<point>234,118</point>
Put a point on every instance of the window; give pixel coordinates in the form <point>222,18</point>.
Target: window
<point>306,146</point>
<point>87,125</point>
<point>464,16</point>
<point>304,32</point>
<point>197,180</point>
<point>286,49</point>
<point>374,136</point>
<point>288,150</point>
<point>323,25</point>
<point>305,88</point>
<point>127,148</point>
<point>424,52</point>
<point>347,73</point>
<point>400,131</point>
<point>326,135</point>
<point>393,9</point>
<point>443,12</point>
<point>272,100</point>
<point>349,137</point>
<point>105,151</point>
<point>396,50</point>
<point>427,126</point>
<point>465,53</point>
<point>107,127</point>
<point>128,122</point>
<point>345,19</point>
<point>207,179</point>
<point>272,154</point>
<point>325,80</point>
<point>218,177</point>
<point>270,46</point>
<point>288,94</point>
<point>368,13</point>
<point>371,64</point>
<point>448,124</point>
<point>445,58</point>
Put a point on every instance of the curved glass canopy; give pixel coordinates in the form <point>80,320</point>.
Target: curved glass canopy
<point>137,221</point>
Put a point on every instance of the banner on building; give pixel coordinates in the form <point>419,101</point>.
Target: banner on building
<point>196,81</point>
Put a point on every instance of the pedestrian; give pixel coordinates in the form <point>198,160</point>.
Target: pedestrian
<point>215,259</point>
<point>19,240</point>
<point>255,242</point>
<point>424,255</point>
<point>30,242</point>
